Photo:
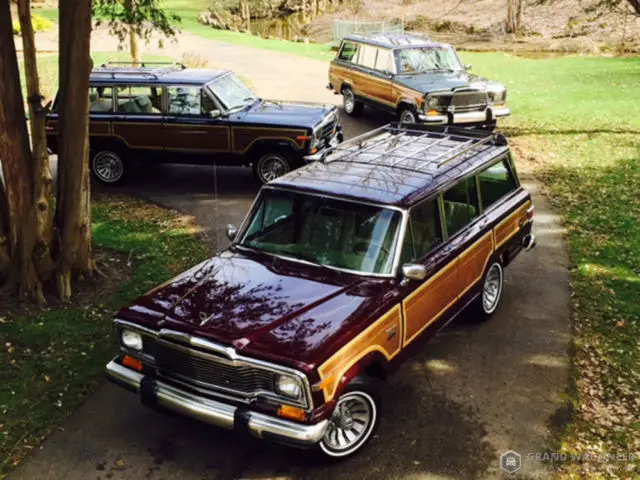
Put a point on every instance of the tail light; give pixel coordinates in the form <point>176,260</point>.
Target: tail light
<point>531,212</point>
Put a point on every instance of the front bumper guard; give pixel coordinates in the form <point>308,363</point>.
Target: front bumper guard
<point>467,117</point>
<point>218,413</point>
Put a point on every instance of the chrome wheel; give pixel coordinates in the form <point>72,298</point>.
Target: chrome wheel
<point>407,116</point>
<point>349,101</point>
<point>350,425</point>
<point>272,166</point>
<point>492,288</point>
<point>108,166</point>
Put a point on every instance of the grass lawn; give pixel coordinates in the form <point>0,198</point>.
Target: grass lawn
<point>578,118</point>
<point>50,360</point>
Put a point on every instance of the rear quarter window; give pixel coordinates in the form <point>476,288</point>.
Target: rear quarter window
<point>496,182</point>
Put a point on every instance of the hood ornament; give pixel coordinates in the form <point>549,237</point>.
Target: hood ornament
<point>204,318</point>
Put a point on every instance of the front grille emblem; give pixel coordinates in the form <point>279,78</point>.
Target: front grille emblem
<point>204,318</point>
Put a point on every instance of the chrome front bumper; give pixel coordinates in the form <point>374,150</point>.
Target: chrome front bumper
<point>334,141</point>
<point>468,117</point>
<point>218,413</point>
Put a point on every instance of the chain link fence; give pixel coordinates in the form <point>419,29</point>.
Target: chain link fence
<point>345,27</point>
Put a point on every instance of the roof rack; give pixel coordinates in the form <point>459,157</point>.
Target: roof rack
<point>420,149</point>
<point>148,69</point>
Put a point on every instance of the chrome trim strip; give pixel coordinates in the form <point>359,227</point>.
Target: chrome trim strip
<point>218,413</point>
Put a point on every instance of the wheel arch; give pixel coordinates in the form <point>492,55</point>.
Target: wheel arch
<point>373,364</point>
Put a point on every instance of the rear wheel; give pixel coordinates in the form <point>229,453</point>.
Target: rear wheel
<point>108,167</point>
<point>353,421</point>
<point>351,106</point>
<point>489,299</point>
<point>270,166</point>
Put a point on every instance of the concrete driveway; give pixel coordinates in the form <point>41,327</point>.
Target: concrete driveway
<point>463,399</point>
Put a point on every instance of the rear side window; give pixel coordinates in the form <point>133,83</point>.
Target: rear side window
<point>137,99</point>
<point>367,57</point>
<point>384,62</point>
<point>100,99</point>
<point>348,51</point>
<point>460,205</point>
<point>496,182</point>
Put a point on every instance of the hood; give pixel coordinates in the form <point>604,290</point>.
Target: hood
<point>296,114</point>
<point>431,81</point>
<point>261,305</point>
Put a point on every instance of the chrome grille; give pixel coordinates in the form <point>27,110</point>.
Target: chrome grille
<point>328,126</point>
<point>468,101</point>
<point>209,370</point>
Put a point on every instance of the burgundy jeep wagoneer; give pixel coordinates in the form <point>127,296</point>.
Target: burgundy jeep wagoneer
<point>339,267</point>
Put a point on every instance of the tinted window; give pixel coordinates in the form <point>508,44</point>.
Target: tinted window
<point>139,100</point>
<point>423,231</point>
<point>460,205</point>
<point>100,99</point>
<point>384,60</point>
<point>495,183</point>
<point>348,51</point>
<point>367,57</point>
<point>188,101</point>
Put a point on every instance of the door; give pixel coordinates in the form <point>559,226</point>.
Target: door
<point>138,117</point>
<point>372,79</point>
<point>427,301</point>
<point>189,127</point>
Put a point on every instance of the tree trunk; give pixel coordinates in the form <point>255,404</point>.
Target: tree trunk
<point>4,229</point>
<point>41,181</point>
<point>73,214</point>
<point>514,16</point>
<point>133,46</point>
<point>17,171</point>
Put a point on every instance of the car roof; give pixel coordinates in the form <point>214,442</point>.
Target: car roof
<point>397,166</point>
<point>393,39</point>
<point>163,73</point>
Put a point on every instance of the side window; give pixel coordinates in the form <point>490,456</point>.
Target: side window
<point>460,205</point>
<point>423,233</point>
<point>100,99</point>
<point>384,62</point>
<point>367,57</point>
<point>348,52</point>
<point>186,101</point>
<point>135,99</point>
<point>495,182</point>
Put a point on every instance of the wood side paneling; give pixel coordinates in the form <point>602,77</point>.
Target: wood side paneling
<point>383,336</point>
<point>243,138</point>
<point>508,227</point>
<point>139,134</point>
<point>473,262</point>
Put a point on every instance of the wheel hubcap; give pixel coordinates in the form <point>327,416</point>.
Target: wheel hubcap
<point>407,117</point>
<point>492,289</point>
<point>349,101</point>
<point>108,166</point>
<point>350,423</point>
<point>272,167</point>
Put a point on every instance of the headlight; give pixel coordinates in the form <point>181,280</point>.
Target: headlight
<point>497,96</point>
<point>288,386</point>
<point>315,137</point>
<point>132,340</point>
<point>433,102</point>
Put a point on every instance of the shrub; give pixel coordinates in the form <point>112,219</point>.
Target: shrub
<point>40,24</point>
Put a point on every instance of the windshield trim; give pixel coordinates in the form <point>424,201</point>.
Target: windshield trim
<point>402,227</point>
<point>218,99</point>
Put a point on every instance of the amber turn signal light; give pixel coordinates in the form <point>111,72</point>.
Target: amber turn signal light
<point>288,411</point>
<point>131,362</point>
<point>432,113</point>
<point>303,138</point>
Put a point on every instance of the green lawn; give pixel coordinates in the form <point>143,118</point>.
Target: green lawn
<point>579,117</point>
<point>49,361</point>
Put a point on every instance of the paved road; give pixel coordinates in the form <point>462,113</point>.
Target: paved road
<point>465,397</point>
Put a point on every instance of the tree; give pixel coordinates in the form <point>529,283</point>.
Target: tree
<point>73,214</point>
<point>514,16</point>
<point>620,6</point>
<point>135,19</point>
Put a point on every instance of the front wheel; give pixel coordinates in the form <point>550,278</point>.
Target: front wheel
<point>271,166</point>
<point>108,167</point>
<point>407,115</point>
<point>353,421</point>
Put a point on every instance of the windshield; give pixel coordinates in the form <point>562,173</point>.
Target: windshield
<point>324,231</point>
<point>427,59</point>
<point>232,92</point>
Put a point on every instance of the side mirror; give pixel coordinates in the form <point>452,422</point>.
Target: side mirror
<point>232,231</point>
<point>388,73</point>
<point>412,271</point>
<point>467,66</point>
<point>215,113</point>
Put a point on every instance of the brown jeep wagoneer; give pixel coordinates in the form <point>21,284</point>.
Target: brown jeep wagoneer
<point>339,267</point>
